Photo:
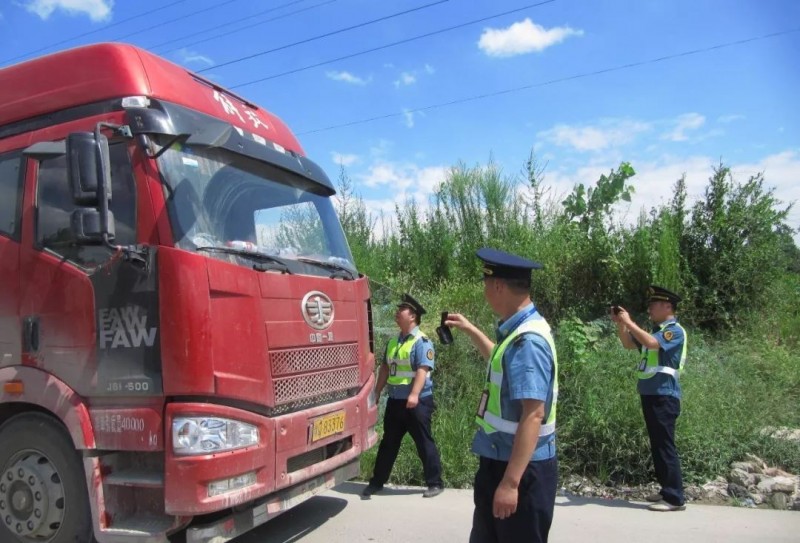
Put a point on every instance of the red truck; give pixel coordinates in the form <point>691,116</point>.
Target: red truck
<point>185,342</point>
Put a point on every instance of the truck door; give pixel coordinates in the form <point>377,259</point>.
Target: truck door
<point>58,298</point>
<point>11,180</point>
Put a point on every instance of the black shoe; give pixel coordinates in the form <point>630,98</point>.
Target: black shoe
<point>370,490</point>
<point>432,491</point>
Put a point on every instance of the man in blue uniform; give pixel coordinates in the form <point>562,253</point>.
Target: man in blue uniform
<point>515,486</point>
<point>406,369</point>
<point>663,355</point>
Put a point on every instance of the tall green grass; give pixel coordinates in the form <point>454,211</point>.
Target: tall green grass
<point>732,390</point>
<point>730,254</point>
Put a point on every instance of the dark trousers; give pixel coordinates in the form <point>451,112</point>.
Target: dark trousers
<point>660,414</point>
<point>398,420</point>
<point>537,496</point>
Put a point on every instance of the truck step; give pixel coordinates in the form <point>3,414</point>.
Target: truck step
<point>139,530</point>
<point>135,477</point>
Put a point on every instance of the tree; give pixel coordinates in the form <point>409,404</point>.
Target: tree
<point>734,247</point>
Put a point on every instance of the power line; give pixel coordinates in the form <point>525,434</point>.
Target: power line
<point>164,23</point>
<point>554,81</point>
<point>105,27</point>
<point>283,16</point>
<point>328,34</point>
<point>218,26</point>
<point>388,45</point>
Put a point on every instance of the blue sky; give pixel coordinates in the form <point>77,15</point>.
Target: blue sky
<point>738,103</point>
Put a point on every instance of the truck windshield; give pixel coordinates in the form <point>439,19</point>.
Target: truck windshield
<point>218,199</point>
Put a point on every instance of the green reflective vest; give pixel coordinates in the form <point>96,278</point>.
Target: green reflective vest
<point>490,414</point>
<point>648,367</point>
<point>398,356</point>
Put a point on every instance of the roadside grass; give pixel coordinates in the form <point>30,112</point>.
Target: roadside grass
<point>732,389</point>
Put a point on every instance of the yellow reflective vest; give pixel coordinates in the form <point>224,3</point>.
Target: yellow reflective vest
<point>648,367</point>
<point>398,357</point>
<point>490,414</point>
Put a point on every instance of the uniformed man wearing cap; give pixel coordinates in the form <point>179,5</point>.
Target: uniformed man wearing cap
<point>406,369</point>
<point>663,355</point>
<point>515,486</point>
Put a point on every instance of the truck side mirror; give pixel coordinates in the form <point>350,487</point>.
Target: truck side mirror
<point>89,173</point>
<point>87,226</point>
<point>89,168</point>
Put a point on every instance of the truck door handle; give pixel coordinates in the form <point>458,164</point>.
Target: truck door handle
<point>30,335</point>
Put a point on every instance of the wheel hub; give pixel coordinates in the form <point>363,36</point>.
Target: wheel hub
<point>31,497</point>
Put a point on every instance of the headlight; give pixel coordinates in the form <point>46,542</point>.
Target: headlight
<point>204,435</point>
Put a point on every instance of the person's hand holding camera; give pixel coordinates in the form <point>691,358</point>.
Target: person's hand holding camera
<point>457,320</point>
<point>620,315</point>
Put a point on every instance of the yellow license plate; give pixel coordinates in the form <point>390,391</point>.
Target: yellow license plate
<point>327,426</point>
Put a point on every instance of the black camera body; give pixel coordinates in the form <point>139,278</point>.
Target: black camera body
<point>443,331</point>
<point>616,309</point>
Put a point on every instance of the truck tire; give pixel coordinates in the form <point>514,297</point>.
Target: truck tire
<point>43,495</point>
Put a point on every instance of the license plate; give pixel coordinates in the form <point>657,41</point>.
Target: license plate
<point>327,426</point>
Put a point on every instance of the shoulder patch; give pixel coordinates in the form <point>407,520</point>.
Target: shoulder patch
<point>429,354</point>
<point>668,335</point>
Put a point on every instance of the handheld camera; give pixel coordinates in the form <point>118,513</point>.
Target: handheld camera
<point>443,331</point>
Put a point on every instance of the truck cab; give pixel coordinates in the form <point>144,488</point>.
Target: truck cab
<point>185,340</point>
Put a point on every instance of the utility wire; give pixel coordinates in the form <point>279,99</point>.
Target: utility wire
<point>105,27</point>
<point>388,45</point>
<point>216,5</point>
<point>224,34</point>
<point>218,26</point>
<point>554,81</point>
<point>328,34</point>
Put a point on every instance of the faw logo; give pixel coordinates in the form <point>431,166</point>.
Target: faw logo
<point>317,310</point>
<point>125,327</point>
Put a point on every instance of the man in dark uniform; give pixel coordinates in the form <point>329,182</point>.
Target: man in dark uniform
<point>406,369</point>
<point>663,355</point>
<point>515,486</point>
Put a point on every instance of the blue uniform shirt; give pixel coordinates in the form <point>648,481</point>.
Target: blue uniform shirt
<point>669,354</point>
<point>527,375</point>
<point>421,355</point>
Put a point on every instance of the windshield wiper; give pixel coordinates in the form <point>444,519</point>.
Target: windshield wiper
<point>267,262</point>
<point>348,273</point>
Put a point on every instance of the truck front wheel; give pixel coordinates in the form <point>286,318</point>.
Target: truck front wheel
<point>43,494</point>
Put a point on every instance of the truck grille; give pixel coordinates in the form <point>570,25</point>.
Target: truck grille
<point>313,359</point>
<point>308,376</point>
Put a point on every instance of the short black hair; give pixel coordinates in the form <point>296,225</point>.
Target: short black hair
<point>518,285</point>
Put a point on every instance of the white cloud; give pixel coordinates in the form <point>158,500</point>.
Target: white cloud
<point>408,117</point>
<point>683,124</point>
<point>607,133</point>
<point>97,10</point>
<point>405,79</point>
<point>730,118</point>
<point>347,77</point>
<point>344,159</point>
<point>404,179</point>
<point>187,56</point>
<point>381,149</point>
<point>522,37</point>
<point>410,77</point>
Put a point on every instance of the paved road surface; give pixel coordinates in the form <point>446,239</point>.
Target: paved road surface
<point>341,516</point>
